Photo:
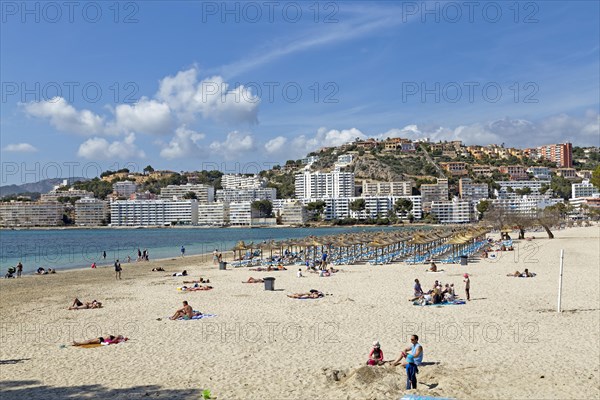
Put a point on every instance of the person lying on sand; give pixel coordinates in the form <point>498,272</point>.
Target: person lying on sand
<point>254,280</point>
<point>313,294</point>
<point>159,269</point>
<point>185,312</point>
<point>202,280</point>
<point>195,288</point>
<point>103,339</point>
<point>78,305</point>
<point>524,274</point>
<point>184,273</point>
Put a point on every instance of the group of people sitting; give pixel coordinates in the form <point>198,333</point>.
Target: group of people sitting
<point>524,274</point>
<point>438,294</point>
<point>42,271</point>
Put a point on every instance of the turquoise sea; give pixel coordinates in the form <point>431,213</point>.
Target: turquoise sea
<point>75,248</point>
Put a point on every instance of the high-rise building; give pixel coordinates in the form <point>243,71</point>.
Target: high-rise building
<point>241,195</point>
<point>583,189</point>
<point>472,191</point>
<point>375,189</point>
<point>322,185</point>
<point>91,212</point>
<point>236,181</point>
<point>153,212</point>
<point>28,214</point>
<point>434,192</point>
<point>561,154</point>
<point>125,188</point>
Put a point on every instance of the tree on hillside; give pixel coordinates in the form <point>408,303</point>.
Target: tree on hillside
<point>403,207</point>
<point>596,177</point>
<point>482,207</point>
<point>148,169</point>
<point>316,208</point>
<point>264,207</point>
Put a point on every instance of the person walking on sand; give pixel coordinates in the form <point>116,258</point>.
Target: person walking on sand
<point>467,282</point>
<point>118,269</point>
<point>104,255</point>
<point>182,251</point>
<point>19,269</point>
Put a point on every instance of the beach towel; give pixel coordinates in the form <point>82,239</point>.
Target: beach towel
<point>417,397</point>
<point>194,289</point>
<point>89,346</point>
<point>452,303</point>
<point>200,316</point>
<point>434,272</point>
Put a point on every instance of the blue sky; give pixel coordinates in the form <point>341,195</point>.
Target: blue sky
<point>190,85</point>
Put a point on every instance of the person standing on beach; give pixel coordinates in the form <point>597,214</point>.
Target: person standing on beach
<point>467,282</point>
<point>139,255</point>
<point>19,269</point>
<point>215,256</point>
<point>104,255</point>
<point>118,269</point>
<point>182,251</point>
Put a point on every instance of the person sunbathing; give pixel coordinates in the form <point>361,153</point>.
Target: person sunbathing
<point>254,280</point>
<point>185,312</point>
<point>433,267</point>
<point>103,339</point>
<point>159,269</point>
<point>78,305</point>
<point>281,267</point>
<point>41,271</point>
<point>202,280</point>
<point>195,288</point>
<point>313,294</point>
<point>333,270</point>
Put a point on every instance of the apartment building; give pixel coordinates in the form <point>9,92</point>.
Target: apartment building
<point>516,172</point>
<point>378,189</point>
<point>237,181</point>
<point>242,195</point>
<point>30,214</point>
<point>154,212</point>
<point>434,192</point>
<point>125,188</point>
<point>473,192</point>
<point>561,154</point>
<point>53,195</point>
<point>524,205</point>
<point>456,168</point>
<point>240,214</point>
<point>583,189</point>
<point>345,159</point>
<point>294,213</point>
<point>535,186</point>
<point>204,194</point>
<point>452,212</point>
<point>567,173</point>
<point>213,214</point>
<point>91,212</point>
<point>482,170</point>
<point>542,173</point>
<point>321,185</point>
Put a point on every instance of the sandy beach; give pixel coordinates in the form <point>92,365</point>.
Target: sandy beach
<point>508,342</point>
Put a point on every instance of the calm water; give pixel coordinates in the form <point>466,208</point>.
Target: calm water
<point>63,249</point>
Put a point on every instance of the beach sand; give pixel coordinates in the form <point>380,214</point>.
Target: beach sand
<point>508,342</point>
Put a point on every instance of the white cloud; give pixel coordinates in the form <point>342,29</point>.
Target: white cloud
<point>101,149</point>
<point>276,145</point>
<point>146,116</point>
<point>236,145</point>
<point>184,144</point>
<point>212,98</point>
<point>301,145</point>
<point>65,117</point>
<point>20,148</point>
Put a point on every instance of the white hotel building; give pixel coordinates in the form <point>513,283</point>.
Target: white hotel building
<point>323,185</point>
<point>535,186</point>
<point>374,206</point>
<point>236,181</point>
<point>452,212</point>
<point>153,212</point>
<point>241,195</point>
<point>583,189</point>
<point>213,214</point>
<point>204,194</point>
<point>525,205</point>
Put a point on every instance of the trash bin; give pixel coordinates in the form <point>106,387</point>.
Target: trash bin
<point>464,260</point>
<point>269,283</point>
<point>222,265</point>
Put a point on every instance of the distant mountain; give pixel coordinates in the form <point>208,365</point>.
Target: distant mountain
<point>43,186</point>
